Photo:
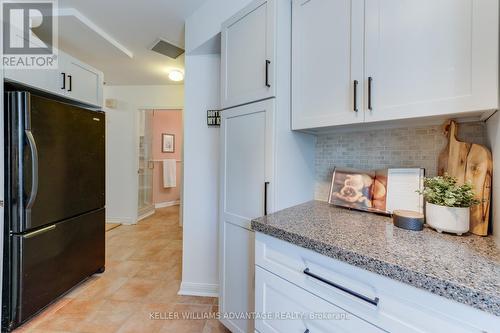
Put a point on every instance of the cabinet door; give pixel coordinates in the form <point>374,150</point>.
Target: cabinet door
<point>48,80</point>
<point>327,60</point>
<point>431,57</point>
<point>248,55</point>
<point>274,296</point>
<point>83,83</point>
<point>247,164</point>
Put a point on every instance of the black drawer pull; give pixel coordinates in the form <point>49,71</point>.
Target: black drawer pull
<point>344,289</point>
<point>64,81</point>
<point>268,62</point>
<point>370,81</point>
<point>355,95</point>
<point>265,197</point>
<point>70,77</point>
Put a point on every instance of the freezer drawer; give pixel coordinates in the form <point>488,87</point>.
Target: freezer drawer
<point>55,259</point>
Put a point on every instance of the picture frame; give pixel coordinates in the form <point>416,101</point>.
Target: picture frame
<point>378,191</point>
<point>168,143</point>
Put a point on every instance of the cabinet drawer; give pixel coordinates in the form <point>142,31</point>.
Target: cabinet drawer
<point>289,309</point>
<point>400,307</point>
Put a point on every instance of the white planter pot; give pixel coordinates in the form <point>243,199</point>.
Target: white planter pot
<point>449,219</point>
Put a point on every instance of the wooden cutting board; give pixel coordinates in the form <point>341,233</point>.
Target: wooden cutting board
<point>469,163</point>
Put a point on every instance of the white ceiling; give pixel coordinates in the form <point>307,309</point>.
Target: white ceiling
<point>136,25</point>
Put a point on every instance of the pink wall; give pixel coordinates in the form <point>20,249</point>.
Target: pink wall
<point>169,122</point>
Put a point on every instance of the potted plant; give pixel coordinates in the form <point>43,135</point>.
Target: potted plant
<point>448,204</point>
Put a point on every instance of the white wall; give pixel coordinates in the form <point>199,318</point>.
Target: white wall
<point>122,145</point>
<point>201,171</point>
<point>205,22</point>
<point>201,148</point>
<point>494,141</point>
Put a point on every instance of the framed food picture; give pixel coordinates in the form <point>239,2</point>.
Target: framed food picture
<point>168,143</point>
<point>380,191</point>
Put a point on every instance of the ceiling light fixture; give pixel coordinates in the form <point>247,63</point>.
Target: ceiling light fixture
<point>176,75</point>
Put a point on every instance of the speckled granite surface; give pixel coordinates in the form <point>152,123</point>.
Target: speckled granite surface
<point>465,269</point>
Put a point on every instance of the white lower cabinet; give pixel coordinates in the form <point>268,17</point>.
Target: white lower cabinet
<point>291,309</point>
<point>283,284</point>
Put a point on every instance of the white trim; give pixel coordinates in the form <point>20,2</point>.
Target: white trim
<point>94,27</point>
<point>167,204</point>
<point>199,289</point>
<point>145,215</point>
<point>120,220</point>
<point>163,107</point>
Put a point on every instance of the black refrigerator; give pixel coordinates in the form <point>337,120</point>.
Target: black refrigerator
<point>54,208</point>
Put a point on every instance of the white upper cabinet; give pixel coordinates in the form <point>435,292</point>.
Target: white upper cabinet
<point>431,57</point>
<point>248,55</point>
<point>83,83</point>
<point>72,79</point>
<point>411,59</point>
<point>327,62</point>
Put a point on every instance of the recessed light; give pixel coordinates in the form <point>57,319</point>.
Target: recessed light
<point>176,75</point>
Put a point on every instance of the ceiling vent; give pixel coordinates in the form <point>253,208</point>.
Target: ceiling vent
<point>167,49</point>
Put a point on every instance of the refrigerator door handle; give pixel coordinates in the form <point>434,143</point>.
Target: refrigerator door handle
<point>34,168</point>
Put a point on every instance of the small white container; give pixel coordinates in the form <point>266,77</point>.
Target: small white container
<point>448,219</point>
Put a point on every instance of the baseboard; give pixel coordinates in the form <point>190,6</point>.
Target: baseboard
<point>199,289</point>
<point>167,204</point>
<point>119,220</point>
<point>147,214</point>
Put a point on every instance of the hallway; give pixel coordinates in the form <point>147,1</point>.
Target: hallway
<point>143,273</point>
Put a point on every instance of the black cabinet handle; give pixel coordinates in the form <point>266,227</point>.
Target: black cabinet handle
<point>64,81</point>
<point>267,73</point>
<point>370,81</point>
<point>355,95</point>
<point>265,197</point>
<point>70,77</point>
<point>344,289</point>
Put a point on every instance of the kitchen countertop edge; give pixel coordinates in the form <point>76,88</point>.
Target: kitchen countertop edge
<point>435,285</point>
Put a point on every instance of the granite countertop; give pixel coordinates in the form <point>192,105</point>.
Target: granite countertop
<point>465,269</point>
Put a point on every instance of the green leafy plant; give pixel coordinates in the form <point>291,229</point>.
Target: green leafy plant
<point>444,191</point>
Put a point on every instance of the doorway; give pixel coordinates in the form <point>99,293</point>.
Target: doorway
<point>160,153</point>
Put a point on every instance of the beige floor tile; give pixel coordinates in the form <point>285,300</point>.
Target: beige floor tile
<point>135,290</point>
<point>102,287</point>
<point>184,326</point>
<point>214,326</point>
<point>194,300</point>
<point>165,292</point>
<point>127,268</point>
<point>149,319</point>
<point>79,307</point>
<point>138,289</point>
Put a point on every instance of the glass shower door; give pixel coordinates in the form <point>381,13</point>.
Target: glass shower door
<point>145,172</point>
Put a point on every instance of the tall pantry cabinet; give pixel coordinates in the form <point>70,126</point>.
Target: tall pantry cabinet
<point>265,166</point>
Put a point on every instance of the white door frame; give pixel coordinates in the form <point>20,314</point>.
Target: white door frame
<point>136,150</point>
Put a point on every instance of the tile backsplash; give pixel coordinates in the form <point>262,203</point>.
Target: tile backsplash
<point>385,148</point>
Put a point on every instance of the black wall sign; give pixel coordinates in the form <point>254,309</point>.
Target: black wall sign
<point>213,118</point>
